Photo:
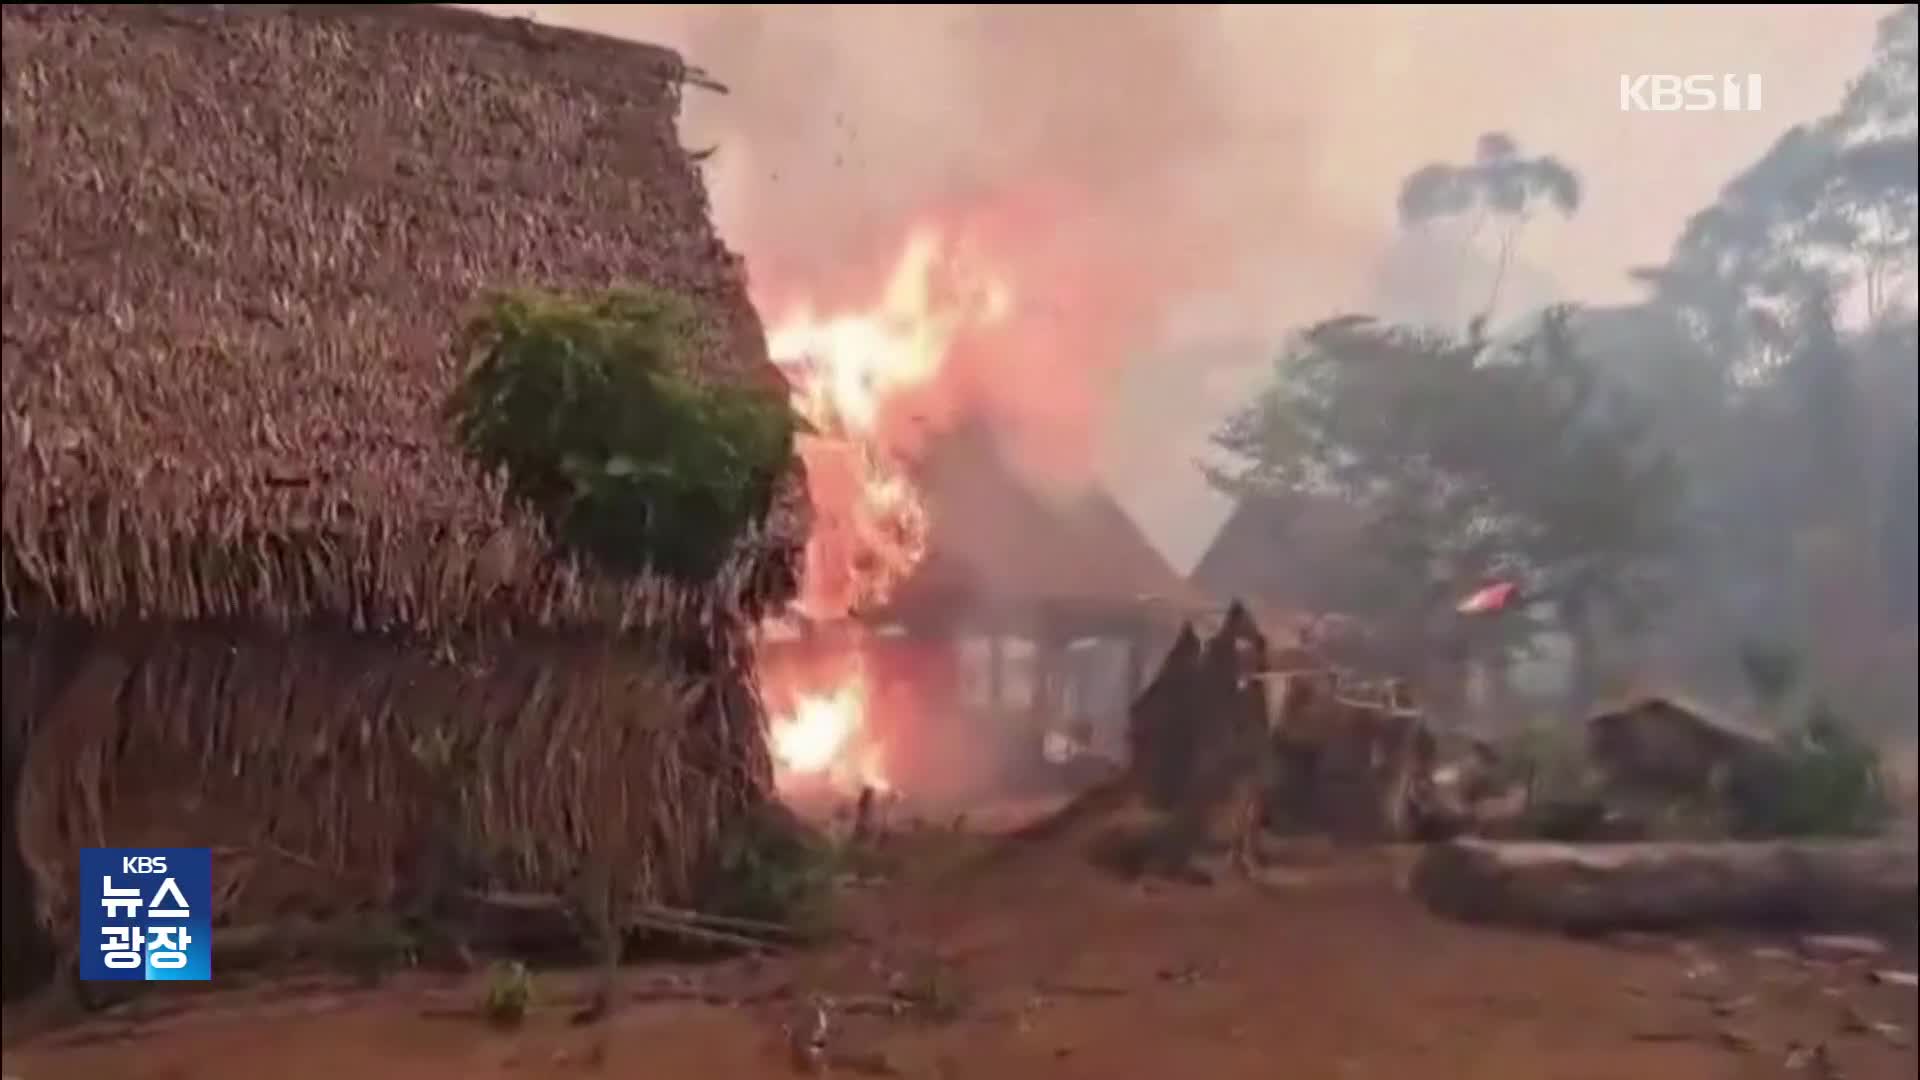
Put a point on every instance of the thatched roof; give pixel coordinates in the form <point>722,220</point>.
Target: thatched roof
<point>1000,543</point>
<point>238,242</point>
<point>1270,551</point>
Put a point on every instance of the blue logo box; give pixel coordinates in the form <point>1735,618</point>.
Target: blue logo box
<point>146,914</point>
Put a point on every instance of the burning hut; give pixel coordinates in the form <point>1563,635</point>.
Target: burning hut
<point>1067,582</point>
<point>254,597</point>
<point>1026,626</point>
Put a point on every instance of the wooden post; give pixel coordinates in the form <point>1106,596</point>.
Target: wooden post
<point>1046,681</point>
<point>996,671</point>
<point>1045,664</point>
<point>1136,663</point>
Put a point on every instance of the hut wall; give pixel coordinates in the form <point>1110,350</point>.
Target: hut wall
<point>332,771</point>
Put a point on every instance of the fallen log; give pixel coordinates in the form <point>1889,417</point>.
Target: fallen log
<point>531,925</point>
<point>1604,887</point>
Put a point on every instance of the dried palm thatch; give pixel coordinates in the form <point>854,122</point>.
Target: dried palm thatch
<point>244,243</point>
<point>527,765</point>
<point>243,561</point>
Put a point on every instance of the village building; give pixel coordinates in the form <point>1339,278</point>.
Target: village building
<point>1034,617</point>
<point>255,598</point>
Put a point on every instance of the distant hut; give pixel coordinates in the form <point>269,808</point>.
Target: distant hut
<point>1661,745</point>
<point>1057,600</point>
<point>1275,551</point>
<point>1023,632</point>
<point>253,596</point>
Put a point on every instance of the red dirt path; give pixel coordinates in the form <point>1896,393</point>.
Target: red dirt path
<point>1329,973</point>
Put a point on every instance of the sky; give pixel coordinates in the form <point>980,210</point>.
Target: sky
<point>1210,177</point>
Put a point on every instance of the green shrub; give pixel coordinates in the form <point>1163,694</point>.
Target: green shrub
<point>1827,782</point>
<point>772,867</point>
<point>591,406</point>
<point>1549,760</point>
<point>509,992</point>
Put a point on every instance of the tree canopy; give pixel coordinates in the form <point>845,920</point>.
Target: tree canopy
<point>1828,209</point>
<point>1726,466</point>
<point>1469,461</point>
<point>1500,187</point>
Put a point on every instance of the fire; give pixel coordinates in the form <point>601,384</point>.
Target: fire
<point>818,729</point>
<point>822,737</point>
<point>846,368</point>
<point>851,373</point>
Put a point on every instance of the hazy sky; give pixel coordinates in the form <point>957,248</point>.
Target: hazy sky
<point>1212,175</point>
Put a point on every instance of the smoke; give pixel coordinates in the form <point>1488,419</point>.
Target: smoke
<point>1165,182</point>
<point>1437,276</point>
<point>1111,165</point>
<point>1107,165</point>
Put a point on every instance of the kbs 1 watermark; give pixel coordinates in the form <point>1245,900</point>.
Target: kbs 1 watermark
<point>1690,93</point>
<point>146,914</point>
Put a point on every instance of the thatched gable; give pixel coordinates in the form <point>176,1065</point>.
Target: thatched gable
<point>1002,544</point>
<point>254,597</point>
<point>1275,551</point>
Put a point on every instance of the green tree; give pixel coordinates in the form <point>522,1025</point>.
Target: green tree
<point>1829,208</point>
<point>1790,401</point>
<point>1470,461</point>
<point>1499,191</point>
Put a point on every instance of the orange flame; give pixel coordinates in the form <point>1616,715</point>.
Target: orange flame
<point>822,738</point>
<point>847,367</point>
<point>849,372</point>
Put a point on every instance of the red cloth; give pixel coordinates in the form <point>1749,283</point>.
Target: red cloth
<point>1490,599</point>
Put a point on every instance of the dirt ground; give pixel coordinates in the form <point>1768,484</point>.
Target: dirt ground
<point>1324,970</point>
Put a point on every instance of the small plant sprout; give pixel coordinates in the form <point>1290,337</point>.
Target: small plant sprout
<point>509,992</point>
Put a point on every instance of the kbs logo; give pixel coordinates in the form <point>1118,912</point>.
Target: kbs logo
<point>146,914</point>
<point>1689,93</point>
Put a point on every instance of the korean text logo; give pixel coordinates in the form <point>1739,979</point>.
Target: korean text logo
<point>145,914</point>
<point>1690,93</point>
